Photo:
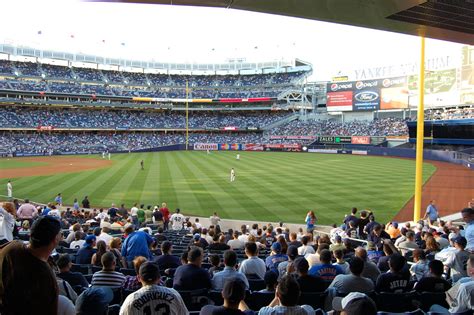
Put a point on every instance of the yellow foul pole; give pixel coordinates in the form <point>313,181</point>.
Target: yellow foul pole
<point>420,125</point>
<point>187,116</point>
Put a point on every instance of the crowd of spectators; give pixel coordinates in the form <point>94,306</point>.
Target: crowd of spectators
<point>132,119</point>
<point>45,143</point>
<point>73,80</point>
<point>376,127</point>
<point>145,256</point>
<point>466,112</point>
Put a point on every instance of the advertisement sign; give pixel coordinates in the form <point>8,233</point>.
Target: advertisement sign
<point>333,140</point>
<point>252,147</point>
<point>360,140</point>
<point>283,147</point>
<point>394,93</point>
<point>45,128</point>
<point>339,96</point>
<point>366,95</point>
<point>292,137</point>
<point>230,146</point>
<point>205,146</point>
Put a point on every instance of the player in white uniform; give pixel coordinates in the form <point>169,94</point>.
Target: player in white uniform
<point>9,190</point>
<point>238,157</point>
<point>153,298</point>
<point>232,175</point>
<point>177,220</point>
<point>110,156</point>
<point>103,155</point>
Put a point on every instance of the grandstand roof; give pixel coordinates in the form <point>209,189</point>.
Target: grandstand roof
<point>439,19</point>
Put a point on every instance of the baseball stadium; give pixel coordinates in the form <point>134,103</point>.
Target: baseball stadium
<point>240,186</point>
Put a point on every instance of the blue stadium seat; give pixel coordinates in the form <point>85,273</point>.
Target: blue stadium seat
<point>195,299</point>
<point>415,312</point>
<point>427,299</point>
<point>397,302</point>
<point>257,300</point>
<point>314,299</point>
<point>256,284</point>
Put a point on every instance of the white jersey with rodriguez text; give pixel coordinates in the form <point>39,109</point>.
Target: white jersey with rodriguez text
<point>154,299</point>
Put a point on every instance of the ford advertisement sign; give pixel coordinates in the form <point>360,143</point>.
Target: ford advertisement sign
<point>367,100</point>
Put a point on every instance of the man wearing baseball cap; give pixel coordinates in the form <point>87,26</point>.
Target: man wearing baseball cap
<point>94,301</point>
<point>457,259</point>
<point>27,283</point>
<point>354,303</point>
<point>275,257</point>
<point>152,298</point>
<point>84,255</point>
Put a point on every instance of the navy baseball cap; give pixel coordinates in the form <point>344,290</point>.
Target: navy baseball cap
<point>276,247</point>
<point>94,301</point>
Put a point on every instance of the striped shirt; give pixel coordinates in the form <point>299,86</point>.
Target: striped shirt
<point>105,278</point>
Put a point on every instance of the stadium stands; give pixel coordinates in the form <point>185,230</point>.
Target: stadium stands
<point>400,284</point>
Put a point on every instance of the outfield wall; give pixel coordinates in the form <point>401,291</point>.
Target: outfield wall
<point>434,155</point>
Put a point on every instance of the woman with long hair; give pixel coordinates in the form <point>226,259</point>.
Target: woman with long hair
<point>115,245</point>
<point>310,221</point>
<point>97,257</point>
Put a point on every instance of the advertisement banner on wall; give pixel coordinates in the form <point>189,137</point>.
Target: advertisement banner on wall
<point>252,147</point>
<point>360,140</point>
<point>394,93</point>
<point>205,146</point>
<point>230,147</point>
<point>333,140</point>
<point>283,147</point>
<point>366,95</point>
<point>339,96</point>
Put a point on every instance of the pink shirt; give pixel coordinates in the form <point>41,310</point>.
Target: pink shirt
<point>27,211</point>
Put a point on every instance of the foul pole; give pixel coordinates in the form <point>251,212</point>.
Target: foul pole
<point>420,125</point>
<point>187,116</point>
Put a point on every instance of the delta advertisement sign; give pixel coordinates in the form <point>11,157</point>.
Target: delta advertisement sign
<point>364,95</point>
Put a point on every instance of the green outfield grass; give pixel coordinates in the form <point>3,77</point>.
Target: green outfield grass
<point>268,187</point>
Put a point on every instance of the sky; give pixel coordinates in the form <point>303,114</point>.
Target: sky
<point>204,35</point>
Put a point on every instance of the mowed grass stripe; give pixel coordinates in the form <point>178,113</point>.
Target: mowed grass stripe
<point>275,202</point>
<point>104,189</point>
<point>130,183</point>
<point>247,204</point>
<point>205,199</point>
<point>176,192</point>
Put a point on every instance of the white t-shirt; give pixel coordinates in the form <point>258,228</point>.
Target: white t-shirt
<point>154,299</point>
<point>134,211</point>
<point>177,221</point>
<point>105,237</point>
<point>9,189</point>
<point>101,216</point>
<point>7,224</point>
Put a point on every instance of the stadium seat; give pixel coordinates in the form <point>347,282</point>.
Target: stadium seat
<point>216,297</point>
<point>84,269</point>
<point>128,271</point>
<point>195,299</point>
<point>126,292</point>
<point>113,309</point>
<point>256,284</point>
<point>257,300</point>
<point>468,312</point>
<point>397,302</point>
<point>415,312</point>
<point>427,299</point>
<point>314,299</point>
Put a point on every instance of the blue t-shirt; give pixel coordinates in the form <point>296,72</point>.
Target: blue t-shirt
<point>137,244</point>
<point>326,271</point>
<point>432,212</point>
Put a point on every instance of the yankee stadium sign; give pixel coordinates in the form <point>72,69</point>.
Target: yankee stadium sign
<point>437,63</point>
